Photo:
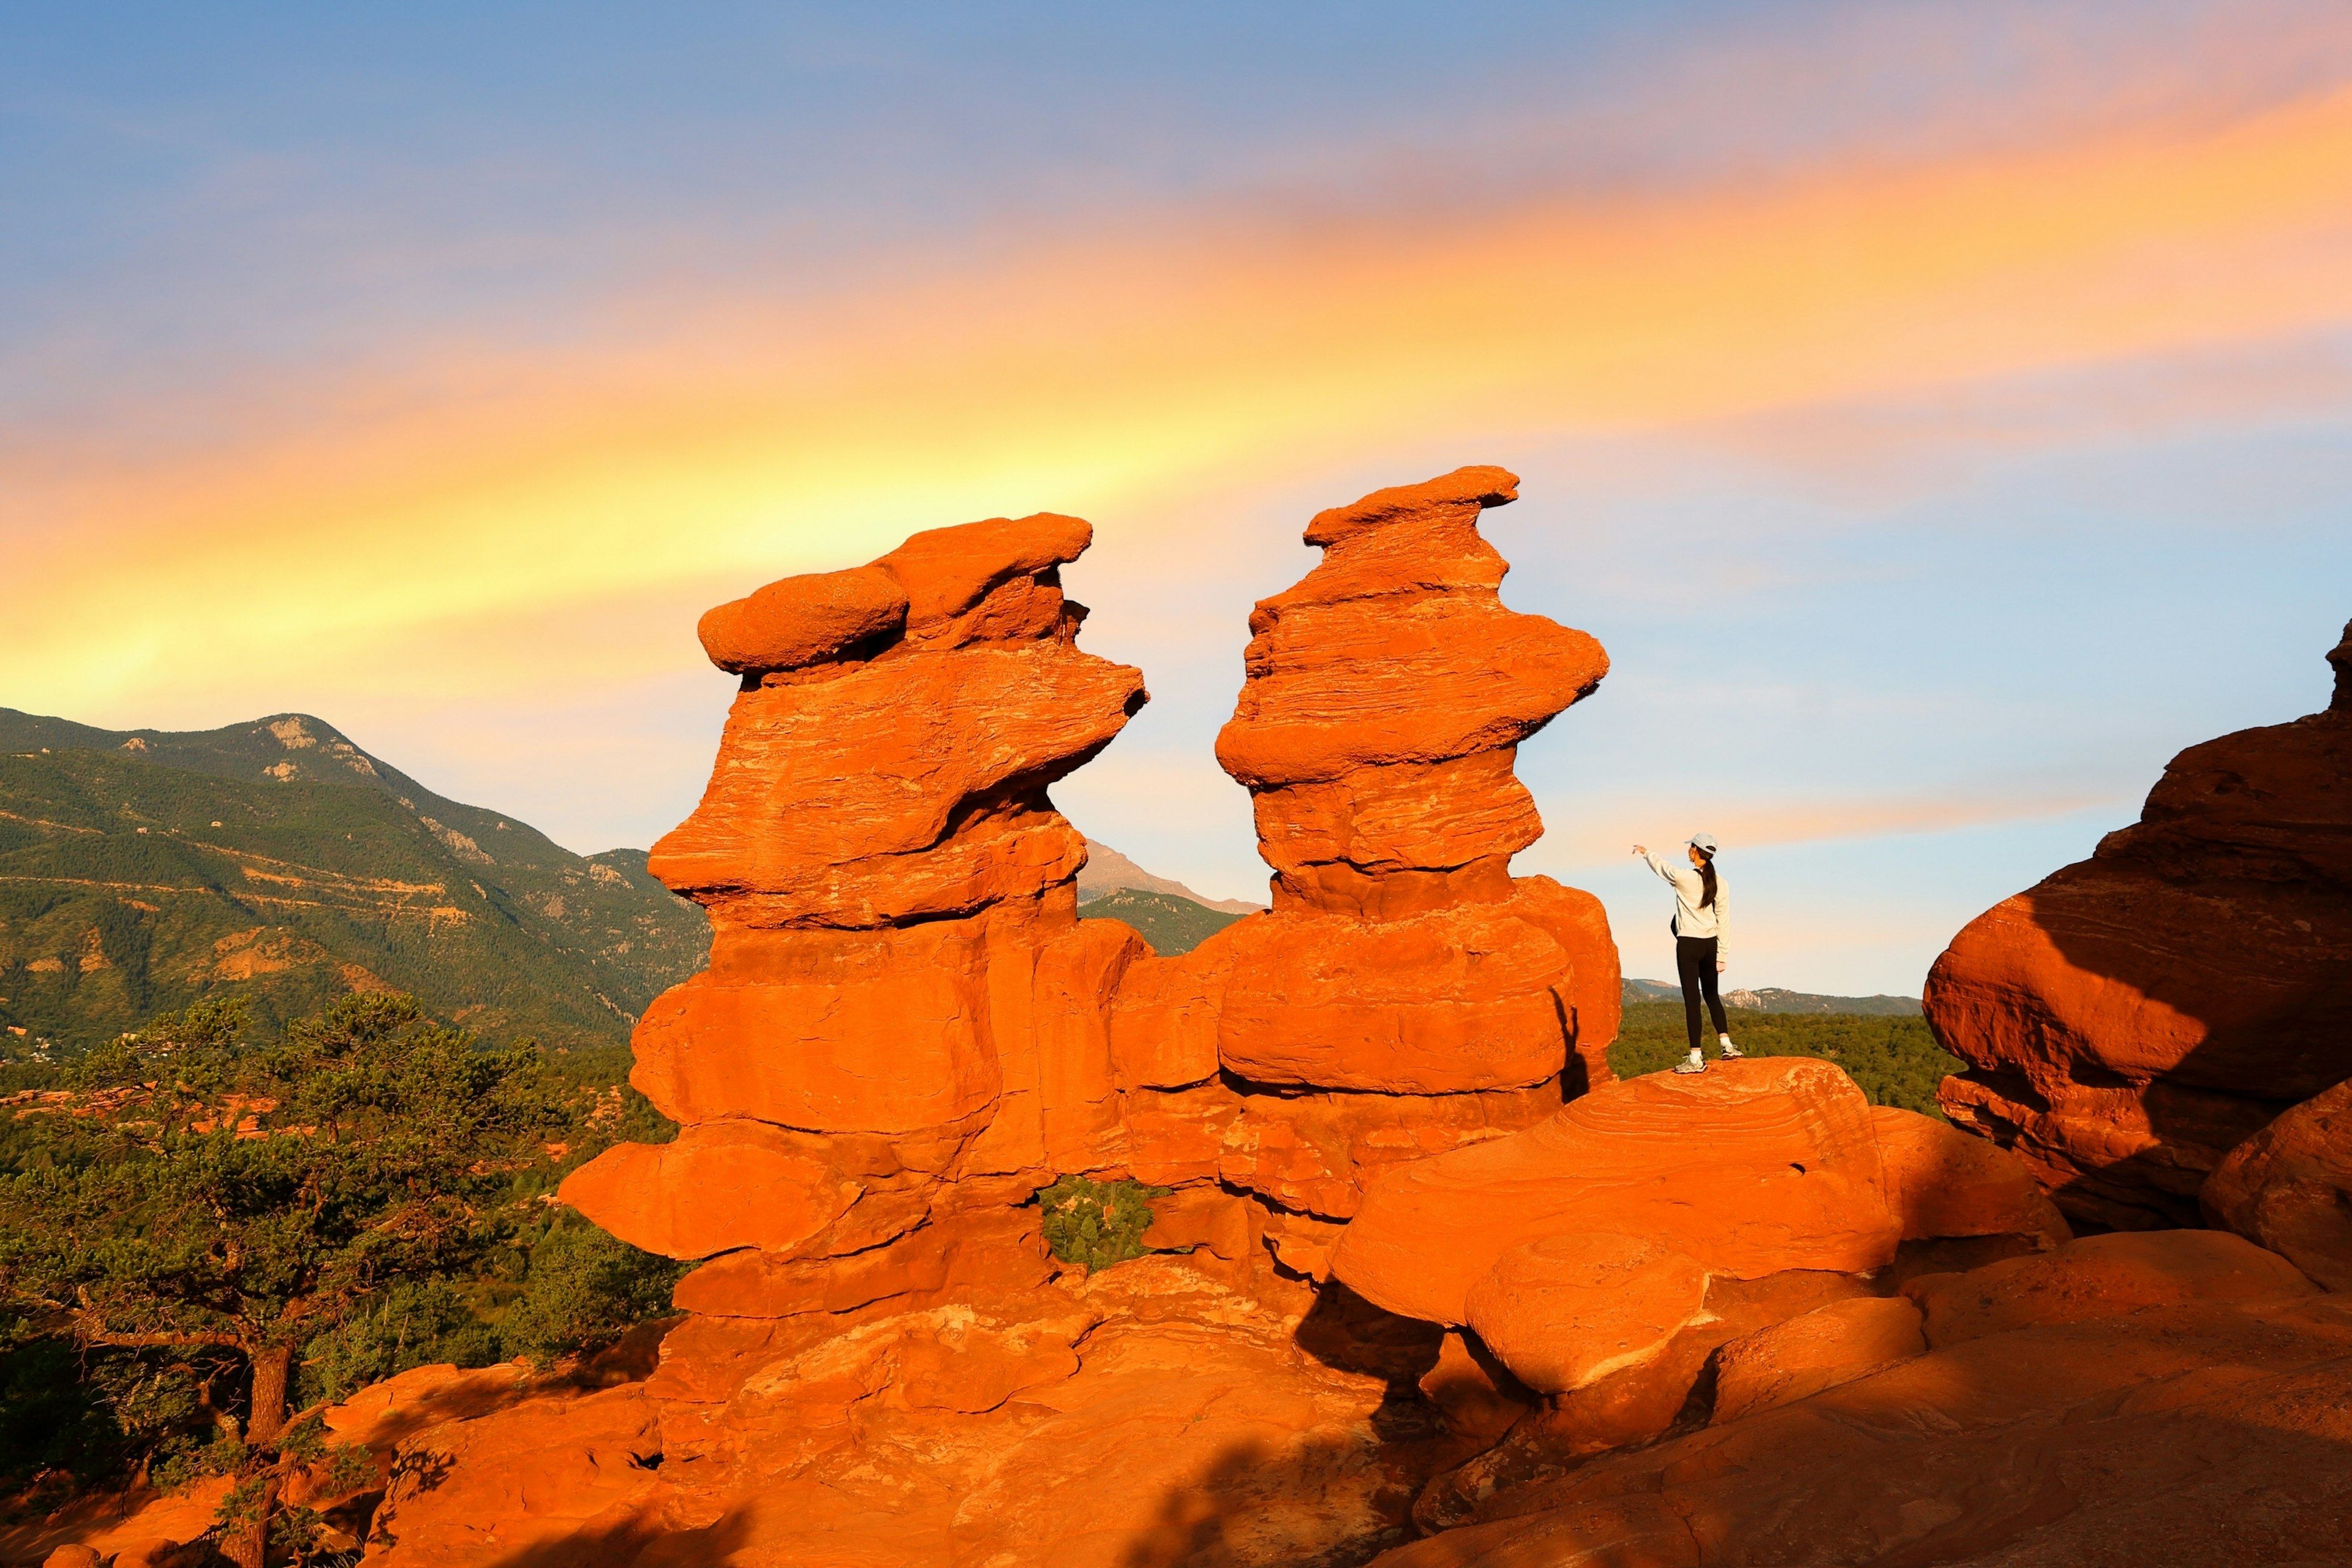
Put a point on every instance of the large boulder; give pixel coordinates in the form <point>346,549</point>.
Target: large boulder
<point>1568,1309</point>
<point>2100,1277</point>
<point>1751,1168</point>
<point>2133,1017</point>
<point>2289,1188</point>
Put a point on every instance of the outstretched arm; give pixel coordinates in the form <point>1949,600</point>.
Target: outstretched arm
<point>1673,874</point>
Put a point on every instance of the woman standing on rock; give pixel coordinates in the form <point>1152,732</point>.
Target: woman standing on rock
<point>1700,933</point>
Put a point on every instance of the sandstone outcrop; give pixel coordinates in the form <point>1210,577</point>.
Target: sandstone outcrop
<point>1385,695</point>
<point>1749,1169</point>
<point>2289,1188</point>
<point>1608,1256</point>
<point>1137,1417</point>
<point>2102,1277</point>
<point>899,994</point>
<point>1563,1311</point>
<point>2132,1018</point>
<point>2164,1428</point>
<point>1405,994</point>
<point>1821,1349</point>
<point>903,1022</point>
<point>905,1030</point>
<point>1942,1182</point>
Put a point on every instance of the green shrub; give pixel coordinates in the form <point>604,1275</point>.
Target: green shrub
<point>53,1417</point>
<point>1097,1224</point>
<point>584,1290</point>
<point>415,1323</point>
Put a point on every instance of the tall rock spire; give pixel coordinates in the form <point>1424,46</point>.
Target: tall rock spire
<point>1387,693</point>
<point>1405,995</point>
<point>885,875</point>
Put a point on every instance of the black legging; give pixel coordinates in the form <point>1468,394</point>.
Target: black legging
<point>1695,966</point>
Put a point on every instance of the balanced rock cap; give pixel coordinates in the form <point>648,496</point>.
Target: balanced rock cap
<point>803,620</point>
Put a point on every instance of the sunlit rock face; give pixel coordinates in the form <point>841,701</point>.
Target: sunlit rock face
<point>2131,1018</point>
<point>1385,694</point>
<point>900,996</point>
<point>901,1001</point>
<point>1405,994</point>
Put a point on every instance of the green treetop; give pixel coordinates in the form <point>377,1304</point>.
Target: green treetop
<point>225,1203</point>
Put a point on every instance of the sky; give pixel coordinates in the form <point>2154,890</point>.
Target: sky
<point>1942,411</point>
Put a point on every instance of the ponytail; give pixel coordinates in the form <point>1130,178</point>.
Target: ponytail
<point>1706,879</point>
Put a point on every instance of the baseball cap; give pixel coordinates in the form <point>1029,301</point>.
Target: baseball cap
<point>1703,841</point>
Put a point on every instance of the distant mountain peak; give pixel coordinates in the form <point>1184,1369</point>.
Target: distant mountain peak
<point>1108,871</point>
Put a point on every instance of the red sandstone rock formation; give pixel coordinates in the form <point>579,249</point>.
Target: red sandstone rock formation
<point>2102,1277</point>
<point>903,1020</point>
<point>1741,1318</point>
<point>2289,1188</point>
<point>1607,1256</point>
<point>1750,1169</point>
<point>1821,1349</point>
<point>2134,1017</point>
<point>1565,1309</point>
<point>904,1030</point>
<point>1942,1182</point>
<point>1386,694</point>
<point>2117,1415</point>
<point>900,995</point>
<point>1405,995</point>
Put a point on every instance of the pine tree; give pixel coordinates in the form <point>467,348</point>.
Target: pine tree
<point>227,1202</point>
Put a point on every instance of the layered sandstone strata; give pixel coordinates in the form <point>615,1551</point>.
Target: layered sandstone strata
<point>1386,695</point>
<point>1405,994</point>
<point>900,997</point>
<point>2131,1018</point>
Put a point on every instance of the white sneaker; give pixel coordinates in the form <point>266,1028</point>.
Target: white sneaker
<point>1729,1052</point>
<point>1690,1064</point>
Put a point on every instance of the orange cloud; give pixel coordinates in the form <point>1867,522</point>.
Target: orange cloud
<point>360,524</point>
<point>1767,824</point>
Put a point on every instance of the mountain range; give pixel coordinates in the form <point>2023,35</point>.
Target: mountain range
<point>1772,999</point>
<point>142,870</point>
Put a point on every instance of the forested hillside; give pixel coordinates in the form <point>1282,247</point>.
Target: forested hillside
<point>277,861</point>
<point>1171,924</point>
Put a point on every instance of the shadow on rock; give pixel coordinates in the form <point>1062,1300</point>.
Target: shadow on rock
<point>1305,1506</point>
<point>2131,1018</point>
<point>637,1543</point>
